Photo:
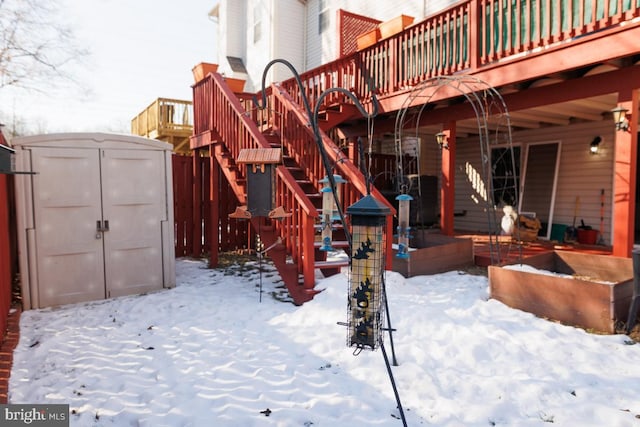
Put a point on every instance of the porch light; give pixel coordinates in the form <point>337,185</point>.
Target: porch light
<point>404,203</point>
<point>594,147</point>
<point>441,139</point>
<point>366,293</point>
<point>620,118</point>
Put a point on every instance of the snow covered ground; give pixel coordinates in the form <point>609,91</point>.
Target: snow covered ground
<point>208,353</point>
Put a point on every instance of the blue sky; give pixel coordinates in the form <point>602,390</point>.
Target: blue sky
<point>140,50</point>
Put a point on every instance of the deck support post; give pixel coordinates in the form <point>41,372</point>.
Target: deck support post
<point>214,208</point>
<point>625,172</point>
<point>447,187</point>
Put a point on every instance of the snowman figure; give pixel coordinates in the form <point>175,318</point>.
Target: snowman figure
<point>508,222</point>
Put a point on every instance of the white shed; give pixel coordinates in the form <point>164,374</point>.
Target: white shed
<point>95,219</point>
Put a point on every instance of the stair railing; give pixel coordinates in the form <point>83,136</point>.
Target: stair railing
<point>225,116</point>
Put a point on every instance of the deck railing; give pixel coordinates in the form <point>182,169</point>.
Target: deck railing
<point>464,37</point>
<point>164,116</point>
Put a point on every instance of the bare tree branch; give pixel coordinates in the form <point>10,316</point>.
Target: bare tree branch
<point>36,49</point>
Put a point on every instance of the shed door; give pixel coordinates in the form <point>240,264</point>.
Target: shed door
<point>77,191</point>
<point>134,203</point>
<point>66,198</point>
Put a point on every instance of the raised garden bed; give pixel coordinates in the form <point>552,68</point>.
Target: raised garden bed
<point>432,253</point>
<point>596,296</point>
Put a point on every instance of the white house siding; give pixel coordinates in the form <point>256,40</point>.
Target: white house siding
<point>581,174</point>
<point>258,54</point>
<point>289,29</point>
<point>232,27</point>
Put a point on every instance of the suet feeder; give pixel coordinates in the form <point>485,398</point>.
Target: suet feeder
<point>366,296</point>
<point>404,201</point>
<point>261,164</point>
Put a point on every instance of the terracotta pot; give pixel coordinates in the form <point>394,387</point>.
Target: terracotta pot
<point>587,236</point>
<point>395,26</point>
<point>367,39</point>
<point>236,85</point>
<point>201,70</point>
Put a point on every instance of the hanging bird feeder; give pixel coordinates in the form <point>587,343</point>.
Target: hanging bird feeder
<point>330,209</point>
<point>404,202</point>
<point>366,294</point>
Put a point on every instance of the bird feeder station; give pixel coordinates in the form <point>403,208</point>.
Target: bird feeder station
<point>261,164</point>
<point>404,201</point>
<point>366,293</point>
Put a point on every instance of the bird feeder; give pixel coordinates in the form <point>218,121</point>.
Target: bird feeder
<point>261,164</point>
<point>404,201</point>
<point>366,296</point>
<point>339,181</point>
<point>329,209</point>
<point>8,162</point>
<point>7,159</point>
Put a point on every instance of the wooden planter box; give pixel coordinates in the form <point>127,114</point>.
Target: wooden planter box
<point>434,253</point>
<point>236,85</point>
<point>394,26</point>
<point>201,70</point>
<point>597,297</point>
<point>367,39</point>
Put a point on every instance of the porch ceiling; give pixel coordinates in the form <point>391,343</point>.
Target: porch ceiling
<point>530,104</point>
<point>560,114</point>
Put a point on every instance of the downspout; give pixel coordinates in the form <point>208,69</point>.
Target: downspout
<point>304,33</point>
<point>305,17</point>
<point>273,36</point>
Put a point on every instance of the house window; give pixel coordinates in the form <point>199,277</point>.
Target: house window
<point>505,175</point>
<point>323,16</point>
<point>257,25</point>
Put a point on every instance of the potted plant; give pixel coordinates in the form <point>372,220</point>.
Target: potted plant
<point>236,85</point>
<point>395,25</point>
<point>367,39</point>
<point>201,70</point>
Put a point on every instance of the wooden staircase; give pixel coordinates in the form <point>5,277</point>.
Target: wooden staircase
<point>227,125</point>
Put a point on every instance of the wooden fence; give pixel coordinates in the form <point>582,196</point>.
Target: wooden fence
<point>8,250</point>
<point>192,210</point>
